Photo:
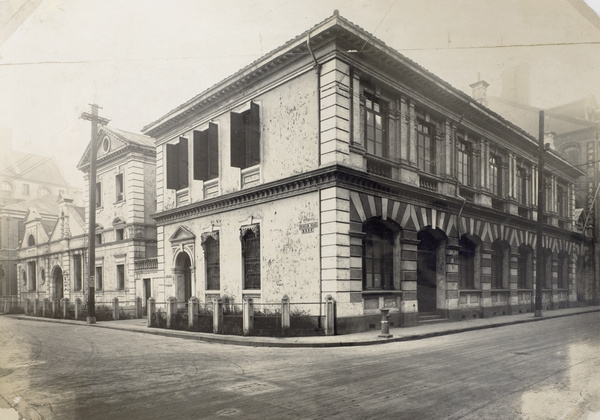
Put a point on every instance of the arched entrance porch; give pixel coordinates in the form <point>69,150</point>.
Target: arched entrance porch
<point>182,273</point>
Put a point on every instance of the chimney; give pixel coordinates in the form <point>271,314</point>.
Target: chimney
<point>479,91</point>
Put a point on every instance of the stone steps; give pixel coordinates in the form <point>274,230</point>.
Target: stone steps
<point>428,318</point>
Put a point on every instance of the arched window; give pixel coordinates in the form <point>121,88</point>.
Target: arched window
<point>525,267</point>
<point>251,256</point>
<point>6,186</point>
<point>571,153</point>
<point>378,256</point>
<point>210,243</point>
<point>30,241</point>
<point>466,263</point>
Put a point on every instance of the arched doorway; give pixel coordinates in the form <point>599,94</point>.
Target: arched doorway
<point>58,283</point>
<point>183,278</point>
<point>430,269</point>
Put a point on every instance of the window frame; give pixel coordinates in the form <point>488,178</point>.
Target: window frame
<point>245,138</point>
<point>251,257</point>
<point>99,278</point>
<point>177,165</point>
<point>98,194</point>
<point>120,276</point>
<point>378,238</point>
<point>464,169</point>
<point>119,187</point>
<point>378,108</point>
<point>495,163</point>
<point>426,155</point>
<point>206,153</point>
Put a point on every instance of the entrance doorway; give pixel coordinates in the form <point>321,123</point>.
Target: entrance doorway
<point>147,295</point>
<point>183,278</point>
<point>58,283</point>
<point>429,251</point>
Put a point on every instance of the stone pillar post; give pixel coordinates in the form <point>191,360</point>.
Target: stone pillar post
<point>248,313</point>
<point>171,311</point>
<point>193,311</point>
<point>329,315</point>
<point>27,304</point>
<point>138,307</point>
<point>55,307</point>
<point>513,294</point>
<point>65,307</point>
<point>36,306</point>
<point>217,315</point>
<point>115,302</point>
<point>150,310</point>
<point>77,308</point>
<point>45,307</point>
<point>285,313</point>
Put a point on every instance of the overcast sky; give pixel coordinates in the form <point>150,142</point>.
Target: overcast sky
<point>138,59</point>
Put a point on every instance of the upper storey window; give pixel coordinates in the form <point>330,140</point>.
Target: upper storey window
<point>376,121</point>
<point>521,185</point>
<point>496,175</point>
<point>177,165</point>
<point>206,153</point>
<point>571,153</point>
<point>425,146</point>
<point>245,137</point>
<point>464,162</point>
<point>6,186</point>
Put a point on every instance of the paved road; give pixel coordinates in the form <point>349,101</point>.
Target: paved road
<point>541,370</point>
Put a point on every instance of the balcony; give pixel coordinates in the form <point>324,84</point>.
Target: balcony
<point>468,195</point>
<point>377,167</point>
<point>146,264</point>
<point>427,183</point>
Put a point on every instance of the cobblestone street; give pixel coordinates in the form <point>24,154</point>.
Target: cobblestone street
<point>538,370</point>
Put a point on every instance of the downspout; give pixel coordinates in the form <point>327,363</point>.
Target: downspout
<point>317,68</point>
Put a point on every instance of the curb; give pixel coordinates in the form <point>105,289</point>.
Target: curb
<point>241,341</point>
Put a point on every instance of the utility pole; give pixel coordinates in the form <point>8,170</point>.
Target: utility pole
<point>540,222</point>
<point>95,119</point>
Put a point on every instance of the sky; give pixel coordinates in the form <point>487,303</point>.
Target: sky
<point>138,59</point>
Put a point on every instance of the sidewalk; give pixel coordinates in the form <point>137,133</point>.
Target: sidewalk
<point>356,339</point>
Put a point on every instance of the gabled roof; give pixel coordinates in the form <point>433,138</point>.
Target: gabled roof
<point>124,139</point>
<point>45,204</point>
<point>30,167</point>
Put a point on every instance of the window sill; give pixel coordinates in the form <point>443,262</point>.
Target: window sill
<point>375,292</point>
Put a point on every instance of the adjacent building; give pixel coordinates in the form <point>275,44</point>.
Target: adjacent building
<point>53,261</point>
<point>336,167</point>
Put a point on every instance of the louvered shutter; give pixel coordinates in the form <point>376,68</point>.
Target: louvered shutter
<point>183,163</point>
<point>213,154</point>
<point>238,141</point>
<point>253,140</point>
<point>172,169</point>
<point>201,155</point>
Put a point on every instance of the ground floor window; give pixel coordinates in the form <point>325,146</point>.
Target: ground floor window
<point>563,270</point>
<point>525,267</point>
<point>210,243</point>
<point>466,263</point>
<point>120,277</point>
<point>378,257</point>
<point>99,279</point>
<point>251,256</point>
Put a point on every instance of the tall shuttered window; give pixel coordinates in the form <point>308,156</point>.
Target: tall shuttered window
<point>210,243</point>
<point>245,138</point>
<point>177,165</point>
<point>77,277</point>
<point>120,277</point>
<point>99,278</point>
<point>206,153</point>
<point>251,256</point>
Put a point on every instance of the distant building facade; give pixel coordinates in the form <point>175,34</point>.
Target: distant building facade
<point>336,167</point>
<point>26,180</point>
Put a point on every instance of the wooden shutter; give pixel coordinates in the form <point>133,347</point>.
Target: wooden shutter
<point>213,153</point>
<point>201,155</point>
<point>172,166</point>
<point>238,141</point>
<point>253,140</point>
<point>183,163</point>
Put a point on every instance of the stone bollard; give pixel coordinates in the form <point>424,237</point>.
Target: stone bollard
<point>36,307</point>
<point>55,307</point>
<point>171,311</point>
<point>248,316</point>
<point>329,315</point>
<point>26,306</point>
<point>217,315</point>
<point>385,324</point>
<point>150,310</point>
<point>285,313</point>
<point>65,307</point>
<point>45,307</point>
<point>115,302</point>
<point>6,306</point>
<point>77,308</point>
<point>139,310</point>
<point>193,311</point>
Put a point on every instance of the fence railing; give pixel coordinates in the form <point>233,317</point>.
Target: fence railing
<point>77,309</point>
<point>222,316</point>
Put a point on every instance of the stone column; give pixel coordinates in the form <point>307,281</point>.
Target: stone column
<point>285,313</point>
<point>193,312</point>
<point>248,315</point>
<point>171,311</point>
<point>329,315</point>
<point>139,310</point>
<point>150,310</point>
<point>115,303</point>
<point>77,308</point>
<point>217,315</point>
<point>513,295</point>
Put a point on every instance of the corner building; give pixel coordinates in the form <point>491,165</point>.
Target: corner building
<point>335,166</point>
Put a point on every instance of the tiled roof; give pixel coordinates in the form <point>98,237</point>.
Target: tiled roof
<point>30,167</point>
<point>46,204</point>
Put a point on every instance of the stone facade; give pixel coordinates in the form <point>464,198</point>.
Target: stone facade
<point>319,172</point>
